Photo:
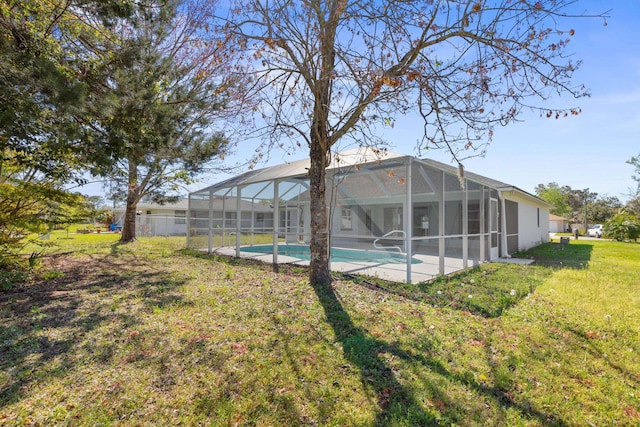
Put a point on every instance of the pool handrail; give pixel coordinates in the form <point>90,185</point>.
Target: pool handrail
<point>401,232</point>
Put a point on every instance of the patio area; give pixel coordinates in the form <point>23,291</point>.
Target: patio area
<point>426,268</point>
<point>417,209</point>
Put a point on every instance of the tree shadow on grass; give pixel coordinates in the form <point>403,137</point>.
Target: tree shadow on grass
<point>486,291</point>
<point>571,255</point>
<point>396,402</point>
<point>42,325</point>
<point>364,352</point>
<point>120,248</point>
<point>588,342</point>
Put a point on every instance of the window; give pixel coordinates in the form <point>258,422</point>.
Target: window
<point>345,223</point>
<point>538,217</point>
<point>393,219</point>
<point>473,217</point>
<point>180,217</point>
<point>229,219</point>
<point>453,217</point>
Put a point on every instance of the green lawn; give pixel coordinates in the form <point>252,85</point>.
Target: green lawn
<point>151,334</point>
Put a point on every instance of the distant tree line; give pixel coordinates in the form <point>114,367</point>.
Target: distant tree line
<point>578,206</point>
<point>621,220</point>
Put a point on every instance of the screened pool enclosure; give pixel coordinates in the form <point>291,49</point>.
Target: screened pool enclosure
<point>392,216</point>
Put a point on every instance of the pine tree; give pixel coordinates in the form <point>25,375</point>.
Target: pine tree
<point>155,107</point>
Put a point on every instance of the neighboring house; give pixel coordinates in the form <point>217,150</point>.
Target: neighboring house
<point>153,219</point>
<point>557,224</point>
<point>170,219</point>
<point>394,203</point>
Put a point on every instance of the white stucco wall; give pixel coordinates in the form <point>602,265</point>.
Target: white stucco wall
<point>164,223</point>
<point>533,221</point>
<point>555,227</point>
<point>157,222</point>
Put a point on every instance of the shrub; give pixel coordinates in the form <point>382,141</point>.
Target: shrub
<point>9,279</point>
<point>623,226</point>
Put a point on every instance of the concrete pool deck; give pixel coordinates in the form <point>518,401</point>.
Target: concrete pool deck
<point>427,269</point>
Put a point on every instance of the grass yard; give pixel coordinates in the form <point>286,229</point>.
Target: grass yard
<point>150,334</point>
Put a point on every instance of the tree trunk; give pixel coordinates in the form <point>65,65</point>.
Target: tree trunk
<point>320,147</point>
<point>319,244</point>
<point>129,226</point>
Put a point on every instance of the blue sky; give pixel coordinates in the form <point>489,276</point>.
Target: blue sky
<point>589,150</point>
<point>585,151</point>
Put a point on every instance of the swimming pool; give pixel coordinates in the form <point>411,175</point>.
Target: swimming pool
<point>337,254</point>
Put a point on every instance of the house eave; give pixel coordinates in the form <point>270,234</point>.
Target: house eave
<point>515,190</point>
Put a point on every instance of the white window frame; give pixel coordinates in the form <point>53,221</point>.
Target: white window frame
<point>180,217</point>
<point>346,219</point>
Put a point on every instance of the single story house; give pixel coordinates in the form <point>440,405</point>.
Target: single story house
<point>557,224</point>
<point>170,219</point>
<point>153,219</point>
<point>426,219</point>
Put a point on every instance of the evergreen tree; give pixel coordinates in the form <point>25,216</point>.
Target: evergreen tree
<point>155,104</point>
<point>43,48</point>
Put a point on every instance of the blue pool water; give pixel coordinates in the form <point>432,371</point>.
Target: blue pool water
<point>337,254</point>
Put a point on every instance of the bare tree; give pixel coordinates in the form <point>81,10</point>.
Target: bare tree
<point>331,70</point>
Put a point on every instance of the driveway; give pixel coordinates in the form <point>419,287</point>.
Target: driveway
<point>554,238</point>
